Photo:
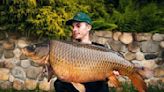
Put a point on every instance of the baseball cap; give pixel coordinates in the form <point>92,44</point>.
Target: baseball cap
<point>80,17</point>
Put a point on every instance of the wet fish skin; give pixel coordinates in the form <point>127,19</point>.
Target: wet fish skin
<point>76,62</point>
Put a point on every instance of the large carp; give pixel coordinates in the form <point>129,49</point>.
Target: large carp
<point>80,63</point>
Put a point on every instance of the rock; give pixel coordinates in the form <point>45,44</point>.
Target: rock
<point>159,72</point>
<point>13,36</point>
<point>6,85</point>
<point>116,35</point>
<point>162,44</point>
<point>4,74</point>
<point>101,40</point>
<point>149,63</point>
<point>18,84</point>
<point>143,36</point>
<point>23,57</point>
<point>34,64</point>
<point>139,56</point>
<point>162,54</point>
<point>123,49</point>
<point>103,33</point>
<point>134,47</point>
<point>25,63</point>
<point>30,84</point>
<point>8,54</point>
<point>44,85</point>
<point>116,45</point>
<point>150,46</point>
<point>9,64</point>
<point>150,56</point>
<point>162,80</point>
<point>2,64</point>
<point>8,45</point>
<point>22,42</point>
<point>17,52</point>
<point>52,83</point>
<point>1,50</point>
<point>129,56</point>
<point>158,37</point>
<point>18,72</point>
<point>153,81</point>
<point>2,36</point>
<point>126,38</point>
<point>33,72</point>
<point>11,78</point>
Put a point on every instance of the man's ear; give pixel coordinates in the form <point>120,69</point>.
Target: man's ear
<point>89,27</point>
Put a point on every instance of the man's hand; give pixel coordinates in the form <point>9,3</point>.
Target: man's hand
<point>116,73</point>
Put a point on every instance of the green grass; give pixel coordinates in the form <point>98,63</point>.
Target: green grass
<point>130,88</point>
<point>125,88</point>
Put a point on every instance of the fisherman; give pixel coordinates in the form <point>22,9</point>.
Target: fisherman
<point>81,27</point>
<point>80,75</point>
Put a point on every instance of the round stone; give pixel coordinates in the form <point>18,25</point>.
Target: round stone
<point>44,85</point>
<point>126,38</point>
<point>18,72</point>
<point>150,46</point>
<point>8,45</point>
<point>4,74</point>
<point>134,47</point>
<point>18,84</point>
<point>30,84</point>
<point>143,36</point>
<point>158,37</point>
<point>6,85</point>
<point>159,72</point>
<point>8,54</point>
<point>17,52</point>
<point>162,44</point>
<point>22,42</point>
<point>25,63</point>
<point>139,56</point>
<point>129,56</point>
<point>33,72</point>
<point>116,35</point>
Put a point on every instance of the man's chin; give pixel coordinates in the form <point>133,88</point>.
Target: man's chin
<point>77,37</point>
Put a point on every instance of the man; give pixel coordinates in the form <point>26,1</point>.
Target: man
<point>81,26</point>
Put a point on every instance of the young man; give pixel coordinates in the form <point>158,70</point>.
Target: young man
<point>81,26</point>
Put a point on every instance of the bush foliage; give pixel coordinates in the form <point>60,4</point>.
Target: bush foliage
<point>47,17</point>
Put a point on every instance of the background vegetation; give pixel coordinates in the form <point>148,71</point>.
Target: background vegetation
<point>47,17</point>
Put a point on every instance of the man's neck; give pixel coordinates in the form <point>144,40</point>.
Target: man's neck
<point>86,40</point>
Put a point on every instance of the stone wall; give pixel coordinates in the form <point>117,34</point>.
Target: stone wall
<point>143,49</point>
<point>20,73</point>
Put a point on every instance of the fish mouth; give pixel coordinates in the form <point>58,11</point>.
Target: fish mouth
<point>32,55</point>
<point>27,53</point>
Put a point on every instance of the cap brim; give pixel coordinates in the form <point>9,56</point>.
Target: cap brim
<point>69,22</point>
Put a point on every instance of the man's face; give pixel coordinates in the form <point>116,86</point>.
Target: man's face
<point>80,30</point>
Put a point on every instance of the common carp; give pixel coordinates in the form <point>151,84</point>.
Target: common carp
<point>80,63</point>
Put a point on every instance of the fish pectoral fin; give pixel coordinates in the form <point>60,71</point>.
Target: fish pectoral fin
<point>48,71</point>
<point>113,81</point>
<point>80,87</point>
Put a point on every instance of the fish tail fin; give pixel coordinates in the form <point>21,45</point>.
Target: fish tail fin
<point>138,82</point>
